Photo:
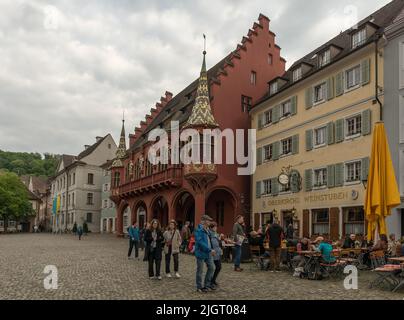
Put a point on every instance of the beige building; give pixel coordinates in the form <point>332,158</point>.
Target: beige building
<point>78,184</point>
<point>315,126</point>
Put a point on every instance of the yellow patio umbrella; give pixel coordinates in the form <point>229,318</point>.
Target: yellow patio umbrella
<point>382,191</point>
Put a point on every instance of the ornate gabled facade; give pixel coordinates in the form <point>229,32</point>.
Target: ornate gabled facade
<point>219,98</point>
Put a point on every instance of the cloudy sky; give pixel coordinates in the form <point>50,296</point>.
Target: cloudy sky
<point>68,68</point>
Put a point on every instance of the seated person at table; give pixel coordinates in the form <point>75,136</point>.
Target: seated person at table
<point>392,245</point>
<point>257,240</point>
<point>382,244</point>
<point>349,242</point>
<point>325,249</point>
<point>302,245</point>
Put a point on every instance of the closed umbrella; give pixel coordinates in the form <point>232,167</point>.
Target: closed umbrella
<point>382,191</point>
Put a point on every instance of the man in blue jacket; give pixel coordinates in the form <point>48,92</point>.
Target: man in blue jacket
<point>204,255</point>
<point>134,237</point>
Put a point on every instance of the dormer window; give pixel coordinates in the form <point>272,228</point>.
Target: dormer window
<point>297,74</point>
<point>324,58</point>
<point>358,38</point>
<point>273,88</point>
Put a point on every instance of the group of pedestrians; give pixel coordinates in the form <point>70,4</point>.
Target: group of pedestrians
<point>170,242</point>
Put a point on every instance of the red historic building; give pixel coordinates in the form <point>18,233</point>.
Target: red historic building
<point>220,98</point>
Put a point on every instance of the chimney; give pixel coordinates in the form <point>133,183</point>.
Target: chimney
<point>98,139</point>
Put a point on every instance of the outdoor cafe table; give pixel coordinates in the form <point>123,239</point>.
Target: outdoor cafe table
<point>397,259</point>
<point>312,260</point>
<point>389,274</point>
<point>227,251</point>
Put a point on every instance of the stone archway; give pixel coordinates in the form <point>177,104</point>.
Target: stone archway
<point>139,213</point>
<point>159,210</point>
<point>221,205</point>
<point>184,208</point>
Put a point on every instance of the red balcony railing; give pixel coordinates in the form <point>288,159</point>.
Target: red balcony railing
<point>170,176</point>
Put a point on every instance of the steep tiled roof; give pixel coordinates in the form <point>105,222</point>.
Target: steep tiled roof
<point>90,149</point>
<point>381,19</point>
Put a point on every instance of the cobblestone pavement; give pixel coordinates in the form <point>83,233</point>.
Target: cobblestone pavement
<point>97,268</point>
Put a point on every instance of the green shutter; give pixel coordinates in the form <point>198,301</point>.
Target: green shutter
<point>295,144</point>
<point>309,140</point>
<point>308,180</point>
<point>330,88</point>
<point>294,182</point>
<point>258,191</point>
<point>276,114</point>
<point>274,186</point>
<point>339,130</point>
<point>330,133</point>
<point>339,84</point>
<point>365,67</point>
<point>365,169</point>
<point>276,146</point>
<point>293,105</point>
<point>260,121</point>
<point>366,122</point>
<point>259,156</point>
<point>309,97</point>
<point>339,174</point>
<point>331,176</point>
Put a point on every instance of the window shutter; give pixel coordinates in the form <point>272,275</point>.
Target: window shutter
<point>258,189</point>
<point>366,122</point>
<point>339,175</point>
<point>309,140</point>
<point>276,114</point>
<point>259,156</point>
<point>306,223</point>
<point>295,144</point>
<point>293,105</point>
<point>294,182</point>
<point>308,180</point>
<point>275,186</point>
<point>330,88</point>
<point>339,84</point>
<point>339,130</point>
<point>330,133</point>
<point>365,169</point>
<point>331,176</point>
<point>276,150</point>
<point>309,97</point>
<point>365,67</point>
<point>260,121</point>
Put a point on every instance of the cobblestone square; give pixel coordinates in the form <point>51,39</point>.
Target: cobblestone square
<point>97,268</point>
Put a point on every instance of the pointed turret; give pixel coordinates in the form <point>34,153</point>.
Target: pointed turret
<point>121,152</point>
<point>201,116</point>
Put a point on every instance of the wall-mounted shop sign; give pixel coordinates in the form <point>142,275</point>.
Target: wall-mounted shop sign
<point>327,197</point>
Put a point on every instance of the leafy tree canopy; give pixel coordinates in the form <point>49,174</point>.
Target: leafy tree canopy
<point>13,197</point>
<point>23,163</point>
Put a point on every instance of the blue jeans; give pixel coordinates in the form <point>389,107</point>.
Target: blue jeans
<point>209,272</point>
<point>237,256</point>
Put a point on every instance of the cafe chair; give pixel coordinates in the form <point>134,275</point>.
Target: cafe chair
<point>377,259</point>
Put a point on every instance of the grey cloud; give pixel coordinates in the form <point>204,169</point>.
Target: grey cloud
<point>68,68</point>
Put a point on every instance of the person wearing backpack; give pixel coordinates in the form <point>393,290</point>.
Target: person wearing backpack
<point>173,241</point>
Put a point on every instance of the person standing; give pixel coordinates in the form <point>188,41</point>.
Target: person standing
<point>185,235</point>
<point>146,247</point>
<point>172,239</point>
<point>80,231</point>
<point>217,258</point>
<point>290,232</point>
<point>239,236</point>
<point>154,239</point>
<point>204,254</point>
<point>134,237</point>
<point>275,237</point>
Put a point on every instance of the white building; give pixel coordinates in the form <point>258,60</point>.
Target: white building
<point>78,184</point>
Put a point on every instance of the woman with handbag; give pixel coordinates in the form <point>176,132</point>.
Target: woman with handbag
<point>154,239</point>
<point>172,245</point>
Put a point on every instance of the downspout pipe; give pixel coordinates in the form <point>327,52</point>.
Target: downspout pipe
<point>377,76</point>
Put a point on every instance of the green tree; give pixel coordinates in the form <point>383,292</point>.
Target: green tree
<point>14,202</point>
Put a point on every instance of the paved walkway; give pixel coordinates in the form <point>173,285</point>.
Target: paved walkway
<point>97,268</point>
